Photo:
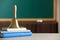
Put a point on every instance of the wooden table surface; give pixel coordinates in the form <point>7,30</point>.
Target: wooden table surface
<point>37,36</point>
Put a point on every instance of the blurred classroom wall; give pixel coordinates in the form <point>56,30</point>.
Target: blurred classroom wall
<point>58,14</point>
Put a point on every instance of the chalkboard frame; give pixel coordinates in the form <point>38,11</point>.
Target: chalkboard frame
<point>34,19</point>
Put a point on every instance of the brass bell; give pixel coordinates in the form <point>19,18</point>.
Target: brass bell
<point>14,22</point>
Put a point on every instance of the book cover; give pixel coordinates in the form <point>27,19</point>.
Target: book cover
<point>15,34</point>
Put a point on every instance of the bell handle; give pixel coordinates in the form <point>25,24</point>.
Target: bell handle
<point>15,11</point>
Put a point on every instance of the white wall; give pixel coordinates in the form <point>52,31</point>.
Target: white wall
<point>58,13</point>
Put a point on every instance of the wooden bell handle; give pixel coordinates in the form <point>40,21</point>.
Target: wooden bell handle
<point>15,11</point>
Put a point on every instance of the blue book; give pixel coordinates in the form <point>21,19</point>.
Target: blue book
<point>15,34</point>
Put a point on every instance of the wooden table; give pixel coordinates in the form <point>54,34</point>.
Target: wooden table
<point>37,36</point>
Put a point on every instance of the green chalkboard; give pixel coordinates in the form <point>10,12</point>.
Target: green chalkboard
<point>27,8</point>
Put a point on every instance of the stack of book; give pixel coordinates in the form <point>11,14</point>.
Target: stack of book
<point>15,32</point>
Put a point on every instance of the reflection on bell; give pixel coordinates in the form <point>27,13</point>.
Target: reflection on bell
<point>14,22</point>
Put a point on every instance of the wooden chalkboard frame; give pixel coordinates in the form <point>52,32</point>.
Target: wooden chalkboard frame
<point>34,19</point>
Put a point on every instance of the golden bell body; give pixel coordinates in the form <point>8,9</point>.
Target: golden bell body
<point>14,24</point>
